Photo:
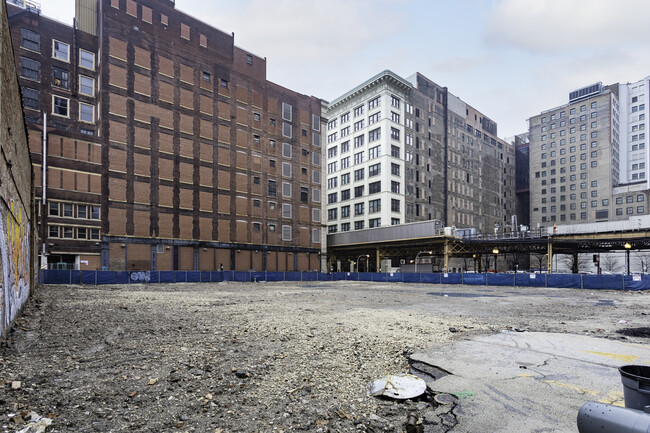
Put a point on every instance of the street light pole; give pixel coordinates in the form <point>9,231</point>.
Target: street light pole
<point>359,258</point>
<point>495,252</point>
<point>418,255</point>
<point>627,256</point>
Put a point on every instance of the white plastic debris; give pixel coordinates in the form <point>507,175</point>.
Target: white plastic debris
<point>37,424</point>
<point>397,386</point>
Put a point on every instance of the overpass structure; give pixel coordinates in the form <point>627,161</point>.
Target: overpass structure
<point>409,242</point>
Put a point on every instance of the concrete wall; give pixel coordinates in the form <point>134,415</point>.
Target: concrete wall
<point>16,263</point>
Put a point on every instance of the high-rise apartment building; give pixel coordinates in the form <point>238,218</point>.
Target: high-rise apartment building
<point>167,147</point>
<point>588,158</point>
<point>404,150</point>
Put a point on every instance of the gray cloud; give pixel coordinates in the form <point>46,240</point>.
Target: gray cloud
<point>562,25</point>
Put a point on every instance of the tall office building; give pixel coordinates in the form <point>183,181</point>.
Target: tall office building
<point>404,150</point>
<point>167,147</point>
<point>588,158</point>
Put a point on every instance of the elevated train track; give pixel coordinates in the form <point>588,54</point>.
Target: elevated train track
<point>407,240</point>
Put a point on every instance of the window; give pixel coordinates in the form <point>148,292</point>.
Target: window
<point>332,182</point>
<point>61,78</point>
<point>394,187</point>
<point>82,233</point>
<point>272,188</point>
<point>94,212</point>
<point>60,51</point>
<point>359,174</point>
<point>358,209</point>
<point>345,146</point>
<point>374,206</point>
<point>374,187</point>
<point>394,101</point>
<point>640,197</point>
<point>374,170</point>
<point>286,233</point>
<point>54,231</point>
<point>394,133</point>
<point>30,98</point>
<point>304,194</point>
<point>87,59</point>
<point>256,203</point>
<point>394,117</point>
<point>30,40</point>
<point>358,158</point>
<point>86,113</point>
<point>286,210</point>
<point>394,221</point>
<point>331,167</point>
<point>345,117</point>
<point>358,111</point>
<point>345,131</point>
<point>345,211</point>
<point>359,125</point>
<point>358,225</point>
<point>82,211</point>
<point>332,214</point>
<point>345,227</point>
<point>640,209</point>
<point>60,106</point>
<point>345,162</point>
<point>286,169</point>
<point>358,191</point>
<point>394,169</point>
<point>345,195</point>
<point>374,135</point>
<point>249,59</point>
<point>375,222</point>
<point>30,69</point>
<point>358,141</point>
<point>374,102</point>
<point>374,118</point>
<point>287,150</point>
<point>345,179</point>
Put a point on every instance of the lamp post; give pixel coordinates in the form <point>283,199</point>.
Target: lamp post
<point>495,252</point>
<point>418,255</point>
<point>359,258</point>
<point>627,256</point>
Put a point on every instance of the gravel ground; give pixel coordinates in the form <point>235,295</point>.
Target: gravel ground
<point>234,357</point>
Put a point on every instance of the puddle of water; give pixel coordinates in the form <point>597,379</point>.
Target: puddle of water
<point>604,303</point>
<point>463,295</point>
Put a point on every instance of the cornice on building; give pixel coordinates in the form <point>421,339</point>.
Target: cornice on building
<point>385,76</point>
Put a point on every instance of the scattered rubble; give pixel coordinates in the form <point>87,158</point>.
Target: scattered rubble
<point>231,357</point>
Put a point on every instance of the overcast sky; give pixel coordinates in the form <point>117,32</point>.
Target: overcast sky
<point>510,59</point>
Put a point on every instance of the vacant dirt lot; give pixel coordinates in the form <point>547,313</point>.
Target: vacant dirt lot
<point>264,357</point>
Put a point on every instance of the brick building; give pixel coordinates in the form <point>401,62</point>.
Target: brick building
<point>16,190</point>
<point>194,160</point>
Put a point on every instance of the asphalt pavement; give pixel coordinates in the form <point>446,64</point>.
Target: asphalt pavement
<point>530,381</point>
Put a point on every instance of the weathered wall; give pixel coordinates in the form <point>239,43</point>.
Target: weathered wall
<point>16,264</point>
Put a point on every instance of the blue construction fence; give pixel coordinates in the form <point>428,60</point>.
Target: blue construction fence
<point>572,281</point>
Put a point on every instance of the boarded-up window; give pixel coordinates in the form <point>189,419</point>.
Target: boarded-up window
<point>286,169</point>
<point>286,210</point>
<point>142,57</point>
<point>187,74</point>
<point>185,31</point>
<point>132,8</point>
<point>286,233</point>
<point>203,40</point>
<point>117,48</point>
<point>286,111</point>
<point>163,19</point>
<point>166,66</point>
<point>115,4</point>
<point>146,14</point>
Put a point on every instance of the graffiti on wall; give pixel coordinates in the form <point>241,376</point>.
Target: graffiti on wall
<point>14,252</point>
